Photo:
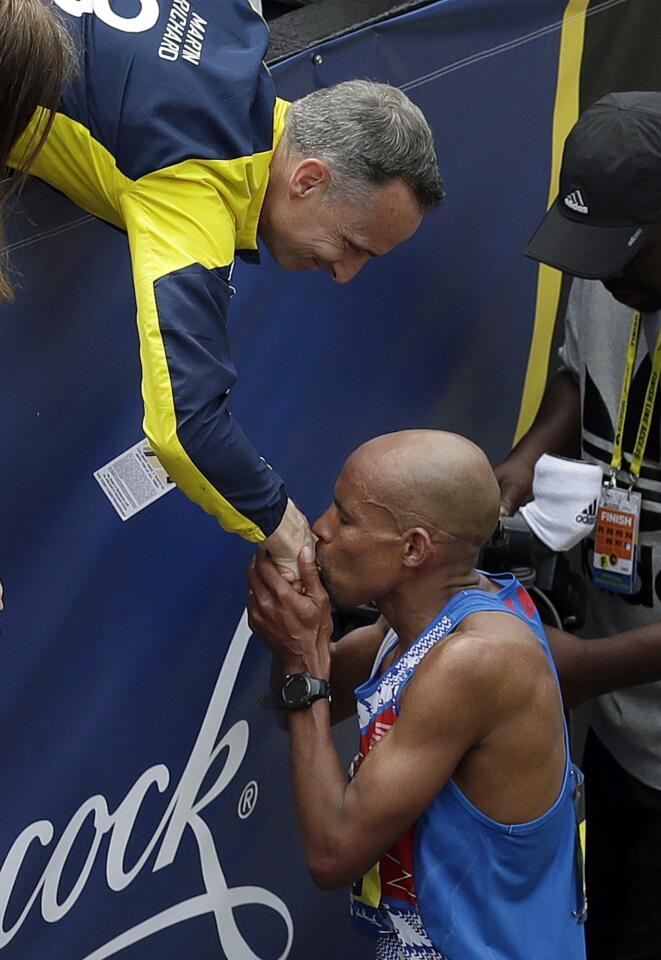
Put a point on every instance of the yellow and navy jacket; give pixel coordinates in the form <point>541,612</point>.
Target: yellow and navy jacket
<point>167,132</point>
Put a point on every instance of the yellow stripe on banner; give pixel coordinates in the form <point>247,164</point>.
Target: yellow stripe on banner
<point>565,115</point>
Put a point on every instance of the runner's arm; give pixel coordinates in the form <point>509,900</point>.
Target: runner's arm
<point>347,827</point>
<point>352,659</point>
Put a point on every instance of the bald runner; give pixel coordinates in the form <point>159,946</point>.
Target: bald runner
<point>457,831</point>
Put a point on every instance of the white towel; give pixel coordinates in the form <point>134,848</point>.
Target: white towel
<point>566,494</point>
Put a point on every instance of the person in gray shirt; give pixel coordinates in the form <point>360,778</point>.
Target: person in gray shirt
<point>605,229</point>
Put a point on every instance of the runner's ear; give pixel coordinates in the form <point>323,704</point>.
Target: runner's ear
<point>418,546</point>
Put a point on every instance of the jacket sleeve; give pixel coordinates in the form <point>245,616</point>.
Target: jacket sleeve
<point>181,236</point>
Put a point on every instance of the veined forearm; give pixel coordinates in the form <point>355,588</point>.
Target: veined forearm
<point>319,785</point>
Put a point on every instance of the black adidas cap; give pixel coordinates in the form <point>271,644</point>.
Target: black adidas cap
<point>610,188</point>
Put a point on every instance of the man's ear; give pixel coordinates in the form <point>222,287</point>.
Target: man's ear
<point>418,547</point>
<point>308,175</point>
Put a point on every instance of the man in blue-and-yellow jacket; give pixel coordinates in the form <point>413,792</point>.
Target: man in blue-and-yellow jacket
<point>171,130</point>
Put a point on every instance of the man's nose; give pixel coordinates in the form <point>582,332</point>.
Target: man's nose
<point>323,527</point>
<point>345,270</point>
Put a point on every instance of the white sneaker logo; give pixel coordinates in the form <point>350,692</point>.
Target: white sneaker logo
<point>576,202</point>
<point>634,236</point>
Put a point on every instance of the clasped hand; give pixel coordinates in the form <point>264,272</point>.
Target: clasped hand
<point>296,626</point>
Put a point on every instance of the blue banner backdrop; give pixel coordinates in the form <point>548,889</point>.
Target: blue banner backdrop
<point>145,808</point>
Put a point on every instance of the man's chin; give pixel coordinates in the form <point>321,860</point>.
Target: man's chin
<point>285,261</point>
<point>327,584</point>
<point>286,264</point>
<point>338,597</point>
<point>643,302</point>
<point>295,264</point>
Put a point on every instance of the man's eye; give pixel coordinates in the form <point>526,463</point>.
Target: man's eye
<point>351,246</point>
<point>344,520</point>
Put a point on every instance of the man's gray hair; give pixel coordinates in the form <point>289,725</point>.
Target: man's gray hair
<point>369,134</point>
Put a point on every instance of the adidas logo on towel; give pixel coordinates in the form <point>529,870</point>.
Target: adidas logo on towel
<point>589,515</point>
<point>576,202</point>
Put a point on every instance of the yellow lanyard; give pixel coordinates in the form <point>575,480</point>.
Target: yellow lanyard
<point>648,405</point>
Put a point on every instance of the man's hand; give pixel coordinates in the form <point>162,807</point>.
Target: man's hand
<point>515,477</point>
<point>285,544</point>
<point>297,627</point>
<point>557,429</point>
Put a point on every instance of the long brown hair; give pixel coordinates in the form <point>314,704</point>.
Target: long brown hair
<point>36,59</point>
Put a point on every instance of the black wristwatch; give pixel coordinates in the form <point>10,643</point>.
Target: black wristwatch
<point>300,690</point>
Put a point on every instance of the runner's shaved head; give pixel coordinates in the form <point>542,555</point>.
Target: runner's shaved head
<point>431,479</point>
<point>410,513</point>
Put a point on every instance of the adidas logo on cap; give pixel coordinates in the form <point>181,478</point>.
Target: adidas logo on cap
<point>576,202</point>
<point>588,515</point>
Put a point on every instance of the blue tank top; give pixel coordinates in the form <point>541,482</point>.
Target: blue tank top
<point>459,885</point>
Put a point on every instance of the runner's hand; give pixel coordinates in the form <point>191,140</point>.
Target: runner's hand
<point>296,624</point>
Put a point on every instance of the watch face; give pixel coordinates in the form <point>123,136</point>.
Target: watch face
<point>296,689</point>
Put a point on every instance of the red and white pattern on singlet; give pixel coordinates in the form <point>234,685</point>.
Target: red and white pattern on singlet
<point>397,920</point>
<point>396,866</point>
